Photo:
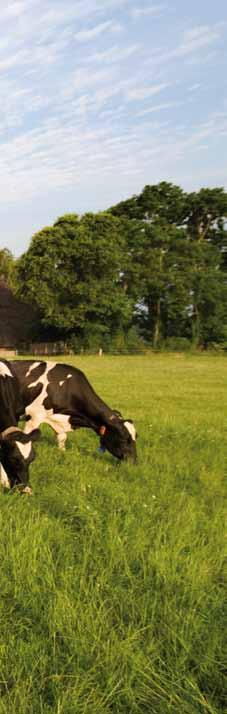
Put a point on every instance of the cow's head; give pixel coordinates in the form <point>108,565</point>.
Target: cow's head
<point>119,437</point>
<point>17,453</point>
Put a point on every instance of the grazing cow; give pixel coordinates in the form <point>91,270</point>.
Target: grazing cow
<point>16,451</point>
<point>62,397</point>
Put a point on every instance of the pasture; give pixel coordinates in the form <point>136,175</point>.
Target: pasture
<point>112,583</point>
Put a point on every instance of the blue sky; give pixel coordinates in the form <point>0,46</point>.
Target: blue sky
<point>100,97</point>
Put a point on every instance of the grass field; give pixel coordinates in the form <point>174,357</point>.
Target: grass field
<point>112,583</point>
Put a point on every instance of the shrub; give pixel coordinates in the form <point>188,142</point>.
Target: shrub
<point>177,344</point>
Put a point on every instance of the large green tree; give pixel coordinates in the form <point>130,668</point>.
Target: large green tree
<point>157,260</point>
<point>157,277</point>
<point>72,272</point>
<point>177,244</point>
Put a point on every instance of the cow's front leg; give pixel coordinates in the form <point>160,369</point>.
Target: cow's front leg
<point>61,425</point>
<point>61,439</point>
<point>4,480</point>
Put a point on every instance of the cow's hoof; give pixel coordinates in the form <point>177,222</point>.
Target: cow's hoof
<point>26,489</point>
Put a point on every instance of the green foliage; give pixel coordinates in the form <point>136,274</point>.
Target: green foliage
<point>6,263</point>
<point>205,210</point>
<point>162,201</point>
<point>178,262</point>
<point>119,343</point>
<point>112,576</point>
<point>177,344</point>
<point>156,262</point>
<point>72,274</point>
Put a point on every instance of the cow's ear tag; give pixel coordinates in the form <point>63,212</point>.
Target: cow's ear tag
<point>102,430</point>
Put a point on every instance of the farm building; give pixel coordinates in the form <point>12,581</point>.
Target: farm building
<point>15,320</point>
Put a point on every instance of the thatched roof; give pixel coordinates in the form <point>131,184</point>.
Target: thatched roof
<point>15,317</point>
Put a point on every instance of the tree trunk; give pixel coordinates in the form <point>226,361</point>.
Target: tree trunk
<point>195,326</point>
<point>157,327</point>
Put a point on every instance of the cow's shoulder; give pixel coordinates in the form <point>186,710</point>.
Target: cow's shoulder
<point>28,371</point>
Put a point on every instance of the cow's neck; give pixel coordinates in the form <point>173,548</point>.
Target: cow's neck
<point>92,421</point>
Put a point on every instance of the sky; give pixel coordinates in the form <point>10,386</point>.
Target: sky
<point>101,97</point>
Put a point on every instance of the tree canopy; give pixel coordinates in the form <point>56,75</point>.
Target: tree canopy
<point>155,263</point>
<point>6,263</point>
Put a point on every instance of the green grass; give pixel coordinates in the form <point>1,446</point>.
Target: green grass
<point>112,583</point>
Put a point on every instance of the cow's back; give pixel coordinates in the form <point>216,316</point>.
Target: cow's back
<point>57,386</point>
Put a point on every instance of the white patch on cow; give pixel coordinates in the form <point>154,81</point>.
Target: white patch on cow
<point>60,423</point>
<point>25,449</point>
<point>4,370</point>
<point>131,429</point>
<point>36,409</point>
<point>4,478</point>
<point>33,366</point>
<point>64,380</point>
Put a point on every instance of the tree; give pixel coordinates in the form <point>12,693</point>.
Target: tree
<point>6,263</point>
<point>163,201</point>
<point>156,277</point>
<point>72,273</point>
<point>206,213</point>
<point>157,261</point>
<point>177,257</point>
<point>208,294</point>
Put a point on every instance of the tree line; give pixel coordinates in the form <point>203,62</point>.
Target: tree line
<point>150,270</point>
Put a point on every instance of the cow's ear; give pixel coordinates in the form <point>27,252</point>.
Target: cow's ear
<point>116,423</point>
<point>10,435</point>
<point>19,435</point>
<point>115,419</point>
<point>31,436</point>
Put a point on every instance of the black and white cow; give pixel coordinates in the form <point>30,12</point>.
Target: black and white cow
<point>61,396</point>
<point>16,451</point>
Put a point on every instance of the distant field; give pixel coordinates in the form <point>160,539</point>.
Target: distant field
<point>112,583</point>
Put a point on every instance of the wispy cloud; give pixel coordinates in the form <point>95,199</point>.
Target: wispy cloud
<point>198,37</point>
<point>13,9</point>
<point>191,42</point>
<point>114,54</point>
<point>140,93</point>
<point>158,108</point>
<point>140,12</point>
<point>94,93</point>
<point>93,32</point>
<point>194,87</point>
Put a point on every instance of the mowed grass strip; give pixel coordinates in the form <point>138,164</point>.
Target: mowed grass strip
<point>112,583</point>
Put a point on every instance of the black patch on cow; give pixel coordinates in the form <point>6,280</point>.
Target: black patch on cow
<point>31,393</point>
<point>20,368</point>
<point>67,394</point>
<point>35,372</point>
